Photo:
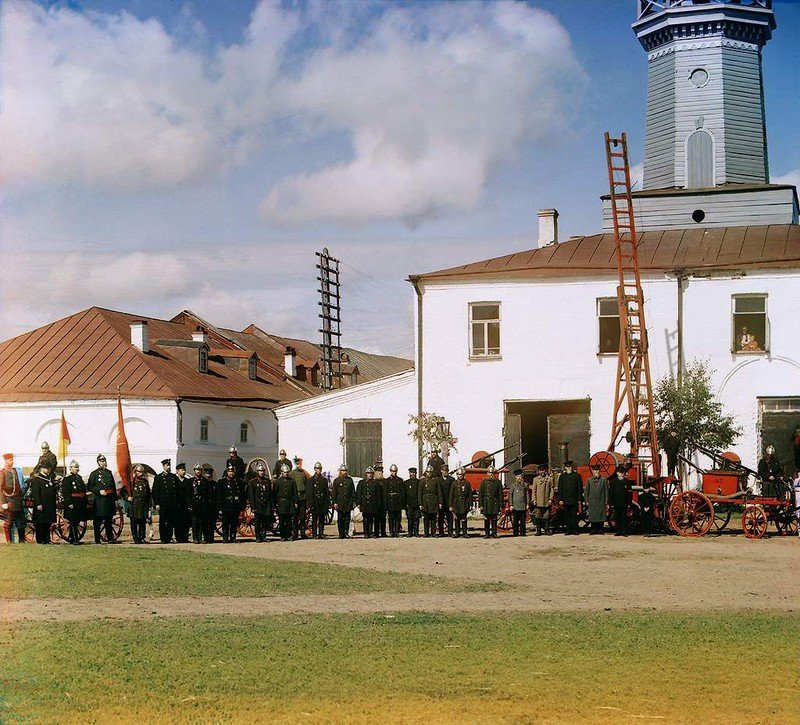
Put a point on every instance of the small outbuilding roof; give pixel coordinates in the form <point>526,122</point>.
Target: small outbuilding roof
<point>775,246</point>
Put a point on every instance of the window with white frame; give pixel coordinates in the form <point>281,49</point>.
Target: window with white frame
<point>484,320</point>
<point>244,429</point>
<point>607,326</point>
<point>750,325</point>
<point>204,430</point>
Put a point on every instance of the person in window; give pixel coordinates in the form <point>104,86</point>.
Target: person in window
<point>747,341</point>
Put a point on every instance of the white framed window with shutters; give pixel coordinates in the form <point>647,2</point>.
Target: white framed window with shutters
<point>484,330</point>
<point>607,326</point>
<point>749,324</point>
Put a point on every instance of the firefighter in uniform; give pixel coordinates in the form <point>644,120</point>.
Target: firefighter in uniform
<point>11,507</point>
<point>446,515</point>
<point>436,462</point>
<point>620,496</point>
<point>199,500</point>
<point>570,490</point>
<point>319,500</point>
<point>48,458</point>
<point>300,477</point>
<point>770,471</point>
<point>73,491</point>
<point>380,513</point>
<point>367,495</point>
<point>43,493</point>
<point>490,500</point>
<point>237,461</point>
<point>230,502</point>
<point>460,503</point>
<point>166,497</point>
<point>412,485</point>
<point>280,463</point>
<point>394,500</point>
<point>210,518</point>
<point>140,501</point>
<point>343,496</point>
<point>182,516</point>
<point>542,491</point>
<point>101,484</point>
<point>259,495</point>
<point>431,501</point>
<point>286,502</point>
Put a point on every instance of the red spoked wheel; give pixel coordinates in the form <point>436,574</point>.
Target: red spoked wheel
<point>504,521</point>
<point>246,528</point>
<point>61,527</point>
<point>691,514</point>
<point>117,525</point>
<point>634,516</point>
<point>754,521</point>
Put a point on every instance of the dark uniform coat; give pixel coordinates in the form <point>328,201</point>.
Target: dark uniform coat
<point>769,468</point>
<point>430,495</point>
<point>490,496</point>
<point>238,465</point>
<point>412,492</point>
<point>101,479</point>
<point>286,497</point>
<point>276,469</point>
<point>73,491</point>
<point>344,493</point>
<point>48,459</point>
<point>230,498</point>
<point>142,499</point>
<point>619,491</point>
<point>167,489</point>
<point>394,494</point>
<point>447,483</point>
<point>570,488</point>
<point>317,492</point>
<point>202,497</point>
<point>259,495</point>
<point>42,492</point>
<point>368,496</point>
<point>461,497</point>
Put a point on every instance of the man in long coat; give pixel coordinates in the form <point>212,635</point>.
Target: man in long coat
<point>11,506</point>
<point>319,501</point>
<point>282,461</point>
<point>394,500</point>
<point>343,496</point>
<point>380,513</point>
<point>286,502</point>
<point>259,495</point>
<point>73,491</point>
<point>101,485</point>
<point>210,518</point>
<point>490,499</point>
<point>595,493</point>
<point>368,494</point>
<point>541,499</point>
<point>183,519</point>
<point>230,501</point>
<point>446,515</point>
<point>140,501</point>
<point>166,497</point>
<point>412,484</point>
<point>43,493</point>
<point>518,497</point>
<point>298,473</point>
<point>570,491</point>
<point>619,497</point>
<point>431,501</point>
<point>48,458</point>
<point>237,461</point>
<point>460,503</point>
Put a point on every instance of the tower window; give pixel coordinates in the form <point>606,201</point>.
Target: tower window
<point>699,160</point>
<point>699,77</point>
<point>698,215</point>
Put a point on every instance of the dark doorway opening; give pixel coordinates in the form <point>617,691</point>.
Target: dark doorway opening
<point>543,424</point>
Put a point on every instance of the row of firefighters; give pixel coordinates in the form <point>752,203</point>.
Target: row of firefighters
<point>193,504</point>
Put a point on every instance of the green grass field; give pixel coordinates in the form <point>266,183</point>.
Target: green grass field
<point>406,668</point>
<point>65,571</point>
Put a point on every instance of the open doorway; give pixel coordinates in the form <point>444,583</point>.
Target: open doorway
<point>538,427</point>
<point>779,420</point>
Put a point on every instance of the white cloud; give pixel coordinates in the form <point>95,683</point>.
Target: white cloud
<point>432,98</point>
<point>792,177</point>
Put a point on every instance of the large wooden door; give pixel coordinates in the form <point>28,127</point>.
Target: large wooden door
<point>362,444</point>
<point>512,436</point>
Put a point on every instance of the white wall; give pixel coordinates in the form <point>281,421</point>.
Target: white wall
<point>224,426</point>
<point>314,428</point>
<point>150,426</point>
<point>549,334</point>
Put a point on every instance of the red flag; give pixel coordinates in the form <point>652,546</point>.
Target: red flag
<point>123,452</point>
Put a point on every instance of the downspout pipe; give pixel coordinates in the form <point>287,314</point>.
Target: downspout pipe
<point>415,281</point>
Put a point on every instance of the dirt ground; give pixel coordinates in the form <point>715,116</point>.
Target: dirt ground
<point>557,573</point>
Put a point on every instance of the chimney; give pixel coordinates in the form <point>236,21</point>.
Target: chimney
<point>290,362</point>
<point>200,335</point>
<point>548,227</point>
<point>140,335</point>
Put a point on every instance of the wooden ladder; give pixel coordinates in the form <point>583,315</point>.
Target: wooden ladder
<point>633,401</point>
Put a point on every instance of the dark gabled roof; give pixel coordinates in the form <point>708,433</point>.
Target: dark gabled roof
<point>89,355</point>
<point>722,248</point>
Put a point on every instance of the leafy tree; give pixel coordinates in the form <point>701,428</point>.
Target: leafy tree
<point>426,429</point>
<point>691,414</point>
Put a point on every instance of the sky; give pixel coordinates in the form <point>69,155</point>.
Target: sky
<point>160,155</point>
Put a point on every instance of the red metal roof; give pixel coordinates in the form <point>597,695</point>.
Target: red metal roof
<point>758,247</point>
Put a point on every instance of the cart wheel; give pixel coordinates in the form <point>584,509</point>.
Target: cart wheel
<point>634,518</point>
<point>722,517</point>
<point>117,525</point>
<point>785,521</point>
<point>504,521</point>
<point>691,514</point>
<point>754,521</point>
<point>246,528</point>
<point>329,516</point>
<point>218,525</point>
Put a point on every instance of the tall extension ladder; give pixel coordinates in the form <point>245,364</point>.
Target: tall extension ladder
<point>633,404</point>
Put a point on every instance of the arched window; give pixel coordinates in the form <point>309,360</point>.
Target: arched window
<point>204,428</point>
<point>699,160</point>
<point>244,430</point>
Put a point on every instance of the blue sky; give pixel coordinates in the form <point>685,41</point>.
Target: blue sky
<point>161,155</point>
